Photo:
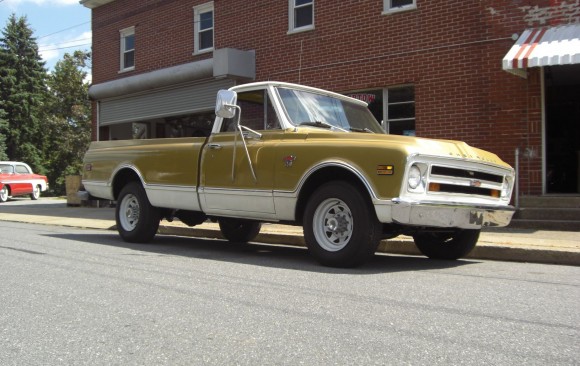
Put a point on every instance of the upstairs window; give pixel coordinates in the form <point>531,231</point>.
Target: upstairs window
<point>301,15</point>
<point>203,28</point>
<point>393,6</point>
<point>127,49</point>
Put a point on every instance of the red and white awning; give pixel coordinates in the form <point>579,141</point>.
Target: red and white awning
<point>544,47</point>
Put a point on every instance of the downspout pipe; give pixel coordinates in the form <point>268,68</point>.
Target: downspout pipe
<point>517,180</point>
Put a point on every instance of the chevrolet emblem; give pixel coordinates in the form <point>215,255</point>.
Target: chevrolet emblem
<point>289,160</point>
<point>475,183</point>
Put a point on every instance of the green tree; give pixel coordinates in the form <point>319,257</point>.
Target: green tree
<point>22,93</point>
<point>69,119</point>
<point>3,129</point>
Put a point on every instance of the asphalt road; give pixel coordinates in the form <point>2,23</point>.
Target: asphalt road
<point>83,297</point>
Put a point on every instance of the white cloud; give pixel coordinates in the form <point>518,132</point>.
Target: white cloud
<point>14,3</point>
<point>54,47</point>
<point>49,54</point>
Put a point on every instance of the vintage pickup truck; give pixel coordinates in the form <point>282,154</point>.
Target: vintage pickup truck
<point>292,154</point>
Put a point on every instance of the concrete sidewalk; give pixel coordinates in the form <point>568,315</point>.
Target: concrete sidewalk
<point>522,245</point>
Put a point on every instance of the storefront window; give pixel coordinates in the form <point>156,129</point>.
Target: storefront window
<point>192,125</point>
<point>394,108</point>
<point>400,110</point>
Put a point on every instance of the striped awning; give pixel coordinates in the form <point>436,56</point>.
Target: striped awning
<point>539,47</point>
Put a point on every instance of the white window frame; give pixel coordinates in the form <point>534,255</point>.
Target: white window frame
<point>197,11</point>
<point>389,9</point>
<point>124,33</point>
<point>291,11</point>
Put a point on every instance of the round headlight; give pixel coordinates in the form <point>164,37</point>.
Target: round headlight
<point>414,177</point>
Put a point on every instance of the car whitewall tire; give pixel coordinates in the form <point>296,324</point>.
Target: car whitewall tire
<point>4,194</point>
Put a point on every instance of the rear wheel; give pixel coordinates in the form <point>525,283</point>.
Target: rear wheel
<point>446,245</point>
<point>35,193</point>
<point>340,225</point>
<point>4,194</point>
<point>238,230</point>
<point>137,220</point>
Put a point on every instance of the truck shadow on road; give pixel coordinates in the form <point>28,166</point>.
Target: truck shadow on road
<point>259,254</point>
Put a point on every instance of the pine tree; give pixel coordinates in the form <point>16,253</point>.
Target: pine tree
<point>3,129</point>
<point>69,121</point>
<point>22,93</point>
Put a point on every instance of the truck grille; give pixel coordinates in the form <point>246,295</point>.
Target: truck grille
<point>464,181</point>
<point>464,173</point>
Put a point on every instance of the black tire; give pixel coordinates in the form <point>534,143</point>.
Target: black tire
<point>340,225</point>
<point>4,193</point>
<point>446,245</point>
<point>238,230</point>
<point>35,193</point>
<point>137,221</point>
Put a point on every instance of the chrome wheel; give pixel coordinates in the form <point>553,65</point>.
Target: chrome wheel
<point>137,221</point>
<point>340,225</point>
<point>333,224</point>
<point>129,211</point>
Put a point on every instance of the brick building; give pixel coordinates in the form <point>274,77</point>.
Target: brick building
<point>501,75</point>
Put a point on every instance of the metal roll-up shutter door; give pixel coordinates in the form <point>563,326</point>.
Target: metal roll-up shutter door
<point>174,101</point>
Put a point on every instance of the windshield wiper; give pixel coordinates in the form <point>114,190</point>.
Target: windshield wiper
<point>356,129</point>
<point>316,124</point>
<point>321,125</point>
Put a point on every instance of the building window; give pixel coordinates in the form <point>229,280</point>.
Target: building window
<point>301,15</point>
<point>203,28</point>
<point>127,49</point>
<point>400,110</point>
<point>393,6</point>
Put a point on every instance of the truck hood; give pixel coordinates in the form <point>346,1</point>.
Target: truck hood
<point>412,145</point>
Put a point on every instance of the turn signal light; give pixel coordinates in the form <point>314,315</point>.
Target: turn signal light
<point>385,170</point>
<point>434,187</point>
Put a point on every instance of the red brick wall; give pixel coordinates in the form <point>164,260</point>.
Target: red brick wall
<point>451,50</point>
<point>163,35</point>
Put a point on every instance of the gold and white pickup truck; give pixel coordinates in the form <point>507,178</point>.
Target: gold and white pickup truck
<point>292,154</point>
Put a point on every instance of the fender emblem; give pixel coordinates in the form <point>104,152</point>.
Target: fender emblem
<point>289,160</point>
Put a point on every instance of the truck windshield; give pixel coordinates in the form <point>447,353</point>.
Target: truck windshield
<point>317,110</point>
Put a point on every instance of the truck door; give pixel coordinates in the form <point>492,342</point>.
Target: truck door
<point>232,185</point>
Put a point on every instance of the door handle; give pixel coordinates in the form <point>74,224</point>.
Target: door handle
<point>214,146</point>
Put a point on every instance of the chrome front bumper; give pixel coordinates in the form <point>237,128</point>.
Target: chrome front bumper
<point>444,215</point>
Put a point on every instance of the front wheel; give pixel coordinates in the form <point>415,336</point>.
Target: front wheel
<point>137,220</point>
<point>340,225</point>
<point>35,193</point>
<point>238,230</point>
<point>446,245</point>
<point>4,194</point>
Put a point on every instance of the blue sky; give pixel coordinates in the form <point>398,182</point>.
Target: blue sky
<point>60,26</point>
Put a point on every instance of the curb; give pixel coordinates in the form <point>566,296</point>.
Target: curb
<point>404,246</point>
<point>485,249</point>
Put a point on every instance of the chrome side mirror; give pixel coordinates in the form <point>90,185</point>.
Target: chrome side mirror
<point>225,106</point>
